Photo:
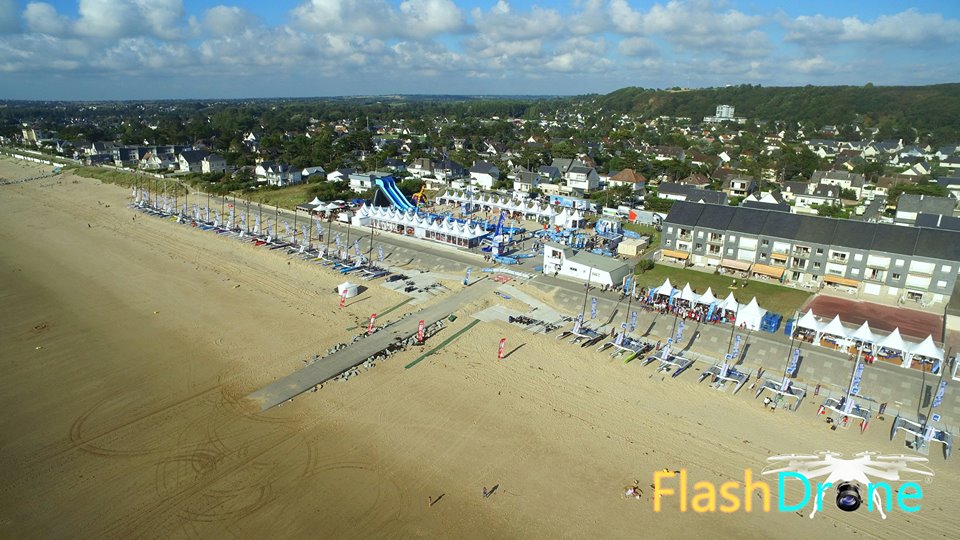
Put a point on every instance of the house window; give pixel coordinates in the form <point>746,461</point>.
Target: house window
<point>946,269</point>
<point>764,242</point>
<point>816,265</point>
<point>729,251</point>
<point>669,229</point>
<point>819,251</point>
<point>699,246</point>
<point>669,243</point>
<point>733,238</point>
<point>898,262</point>
<point>858,257</point>
<point>941,284</point>
<point>763,256</point>
<point>895,276</point>
<point>855,271</point>
<point>699,234</point>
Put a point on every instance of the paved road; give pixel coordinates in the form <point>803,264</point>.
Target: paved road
<point>353,355</point>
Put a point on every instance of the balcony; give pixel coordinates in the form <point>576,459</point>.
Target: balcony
<point>801,252</point>
<point>839,260</point>
<point>717,240</point>
<point>686,236</point>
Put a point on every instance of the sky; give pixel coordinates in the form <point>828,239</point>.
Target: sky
<point>175,49</point>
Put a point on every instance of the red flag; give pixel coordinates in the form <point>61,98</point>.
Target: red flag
<point>420,332</point>
<point>343,298</point>
<point>503,343</point>
<point>373,319</point>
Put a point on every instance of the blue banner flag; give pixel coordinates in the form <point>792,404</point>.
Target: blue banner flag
<point>633,321</point>
<point>792,368</point>
<point>736,347</point>
<point>857,375</point>
<point>679,332</point>
<point>380,252</point>
<point>939,397</point>
<point>593,309</point>
<point>467,279</point>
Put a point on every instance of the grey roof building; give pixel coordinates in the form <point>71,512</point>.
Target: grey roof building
<point>911,204</point>
<point>870,259</point>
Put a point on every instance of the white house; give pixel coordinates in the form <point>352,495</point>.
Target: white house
<point>842,179</point>
<point>277,174</point>
<point>582,265</point>
<point>191,160</point>
<point>212,163</point>
<point>582,179</point>
<point>483,174</point>
<point>525,181</point>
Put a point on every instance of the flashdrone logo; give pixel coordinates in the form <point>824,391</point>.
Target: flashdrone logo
<point>850,477</point>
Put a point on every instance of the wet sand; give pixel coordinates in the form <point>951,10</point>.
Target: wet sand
<point>128,344</point>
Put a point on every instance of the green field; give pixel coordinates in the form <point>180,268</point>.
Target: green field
<point>775,298</point>
<point>286,197</point>
<point>647,230</point>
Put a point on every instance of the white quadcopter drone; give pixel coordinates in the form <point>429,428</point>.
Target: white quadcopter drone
<point>848,475</point>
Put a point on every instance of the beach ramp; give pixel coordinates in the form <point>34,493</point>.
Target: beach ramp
<point>354,354</point>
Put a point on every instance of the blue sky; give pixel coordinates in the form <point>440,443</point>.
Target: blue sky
<point>150,49</point>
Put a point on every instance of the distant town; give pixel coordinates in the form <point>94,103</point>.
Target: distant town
<point>704,180</point>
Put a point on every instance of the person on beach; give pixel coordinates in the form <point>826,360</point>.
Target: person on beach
<point>485,492</point>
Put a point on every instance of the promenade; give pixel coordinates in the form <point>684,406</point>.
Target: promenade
<point>354,354</point>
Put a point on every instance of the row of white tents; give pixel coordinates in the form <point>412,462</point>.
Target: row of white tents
<point>419,222</point>
<point>748,315</point>
<point>892,341</point>
<point>565,217</point>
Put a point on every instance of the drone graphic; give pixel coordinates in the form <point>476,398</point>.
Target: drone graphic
<point>848,475</point>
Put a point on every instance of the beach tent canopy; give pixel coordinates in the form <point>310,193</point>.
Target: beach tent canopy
<point>316,201</point>
<point>893,341</point>
<point>730,303</point>
<point>809,322</point>
<point>751,315</point>
<point>707,298</point>
<point>666,288</point>
<point>928,349</point>
<point>865,334</point>
<point>835,328</point>
<point>688,294</point>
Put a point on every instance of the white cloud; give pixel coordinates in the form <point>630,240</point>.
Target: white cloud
<point>905,28</point>
<point>431,17</point>
<point>225,20</point>
<point>593,19</point>
<point>502,23</point>
<point>637,46</point>
<point>43,18</point>
<point>130,18</point>
<point>418,19</point>
<point>694,25</point>
<point>814,64</point>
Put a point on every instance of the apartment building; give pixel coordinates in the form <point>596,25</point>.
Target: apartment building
<point>867,259</point>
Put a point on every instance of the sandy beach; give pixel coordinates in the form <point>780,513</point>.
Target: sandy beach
<point>129,341</point>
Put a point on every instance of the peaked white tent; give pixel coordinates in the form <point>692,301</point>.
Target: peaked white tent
<point>835,328</point>
<point>707,298</point>
<point>688,294</point>
<point>864,333</point>
<point>751,315</point>
<point>666,289</point>
<point>730,303</point>
<point>809,322</point>
<point>894,342</point>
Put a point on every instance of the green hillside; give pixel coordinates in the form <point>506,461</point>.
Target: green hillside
<point>928,109</point>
